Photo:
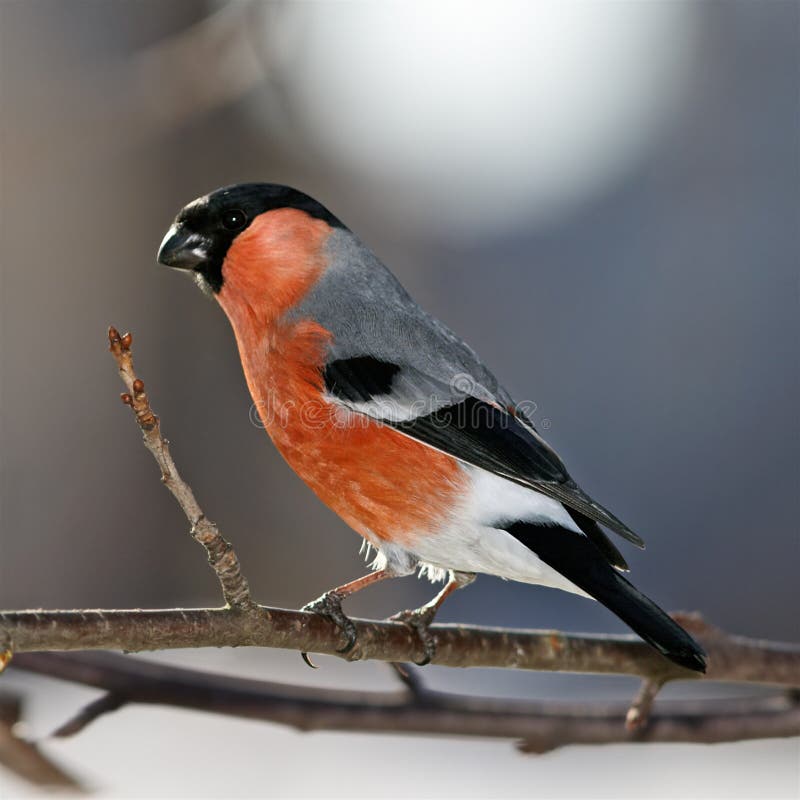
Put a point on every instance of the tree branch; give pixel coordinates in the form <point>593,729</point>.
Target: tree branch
<point>241,622</point>
<point>541,726</point>
<point>731,658</point>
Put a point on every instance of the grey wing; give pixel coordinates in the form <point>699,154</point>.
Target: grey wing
<point>394,362</point>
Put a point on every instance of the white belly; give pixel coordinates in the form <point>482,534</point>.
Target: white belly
<point>490,551</point>
<point>469,541</point>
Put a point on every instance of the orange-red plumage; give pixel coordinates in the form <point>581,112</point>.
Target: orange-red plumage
<point>335,352</point>
<point>385,485</point>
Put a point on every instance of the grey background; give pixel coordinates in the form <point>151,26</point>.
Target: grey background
<point>656,329</point>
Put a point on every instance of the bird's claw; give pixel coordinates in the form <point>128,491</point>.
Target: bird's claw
<point>330,607</point>
<point>419,620</point>
<point>307,659</point>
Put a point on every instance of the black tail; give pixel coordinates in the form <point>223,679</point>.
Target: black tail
<point>580,561</point>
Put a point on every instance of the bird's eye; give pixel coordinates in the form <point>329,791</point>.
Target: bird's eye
<point>234,220</point>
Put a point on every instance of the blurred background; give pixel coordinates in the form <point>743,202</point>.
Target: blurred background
<point>601,197</point>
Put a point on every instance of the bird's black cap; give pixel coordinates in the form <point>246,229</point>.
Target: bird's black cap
<point>203,231</point>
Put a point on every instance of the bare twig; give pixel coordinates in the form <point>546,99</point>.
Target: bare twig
<point>112,701</point>
<point>699,722</point>
<point>639,712</point>
<point>221,556</point>
<point>24,758</point>
<point>241,622</point>
<point>541,725</point>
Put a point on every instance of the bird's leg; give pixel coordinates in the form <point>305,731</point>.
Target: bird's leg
<point>420,618</point>
<point>329,605</point>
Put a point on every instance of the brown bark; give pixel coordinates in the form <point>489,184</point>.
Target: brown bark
<point>540,726</point>
<point>241,622</point>
<point>730,658</point>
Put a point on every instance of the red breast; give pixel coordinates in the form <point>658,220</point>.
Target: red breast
<point>379,481</point>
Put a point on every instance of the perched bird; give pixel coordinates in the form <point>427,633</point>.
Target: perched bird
<point>393,421</point>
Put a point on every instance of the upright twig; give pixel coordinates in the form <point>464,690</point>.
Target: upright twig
<point>221,556</point>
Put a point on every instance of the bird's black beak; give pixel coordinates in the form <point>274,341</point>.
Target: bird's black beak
<point>183,249</point>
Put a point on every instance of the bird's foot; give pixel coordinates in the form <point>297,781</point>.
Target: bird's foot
<point>329,605</point>
<point>419,620</point>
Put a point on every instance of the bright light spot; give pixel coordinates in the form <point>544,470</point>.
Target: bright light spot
<point>471,117</point>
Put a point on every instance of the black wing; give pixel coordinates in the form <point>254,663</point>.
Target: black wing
<point>478,433</point>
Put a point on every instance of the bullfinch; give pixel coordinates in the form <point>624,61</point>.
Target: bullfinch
<point>393,421</point>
